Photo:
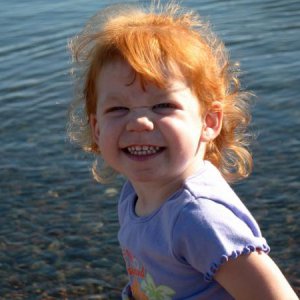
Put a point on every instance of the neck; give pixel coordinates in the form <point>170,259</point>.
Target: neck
<point>151,195</point>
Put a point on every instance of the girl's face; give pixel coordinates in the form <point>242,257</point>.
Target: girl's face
<point>146,133</point>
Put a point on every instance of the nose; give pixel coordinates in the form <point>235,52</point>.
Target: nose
<point>139,122</point>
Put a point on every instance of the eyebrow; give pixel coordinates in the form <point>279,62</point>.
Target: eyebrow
<point>112,98</point>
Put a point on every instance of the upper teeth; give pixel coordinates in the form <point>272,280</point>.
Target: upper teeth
<point>142,150</point>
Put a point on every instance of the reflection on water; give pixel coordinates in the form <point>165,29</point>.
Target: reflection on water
<point>58,227</point>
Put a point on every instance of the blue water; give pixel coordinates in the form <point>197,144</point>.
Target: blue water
<point>57,226</point>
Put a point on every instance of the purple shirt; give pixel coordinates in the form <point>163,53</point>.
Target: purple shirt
<point>174,252</point>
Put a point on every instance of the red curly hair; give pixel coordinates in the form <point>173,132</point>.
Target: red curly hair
<point>151,41</point>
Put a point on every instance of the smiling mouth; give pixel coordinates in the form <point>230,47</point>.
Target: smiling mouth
<point>143,150</point>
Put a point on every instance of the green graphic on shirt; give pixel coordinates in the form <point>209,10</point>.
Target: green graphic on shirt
<point>153,292</point>
<point>142,284</point>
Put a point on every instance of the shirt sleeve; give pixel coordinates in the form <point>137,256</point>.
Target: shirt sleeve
<point>207,234</point>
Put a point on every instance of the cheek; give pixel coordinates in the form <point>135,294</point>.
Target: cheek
<point>108,137</point>
<point>185,131</point>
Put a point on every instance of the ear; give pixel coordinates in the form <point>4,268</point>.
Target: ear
<point>212,122</point>
<point>94,128</point>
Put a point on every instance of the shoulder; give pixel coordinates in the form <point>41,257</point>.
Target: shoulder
<point>213,225</point>
<point>212,205</point>
<point>209,183</point>
<point>216,201</point>
<point>208,218</point>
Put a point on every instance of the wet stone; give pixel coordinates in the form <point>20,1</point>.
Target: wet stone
<point>104,262</point>
<point>117,269</point>
<point>55,245</point>
<point>97,297</point>
<point>49,257</point>
<point>15,281</point>
<point>111,192</point>
<point>78,254</point>
<point>73,241</point>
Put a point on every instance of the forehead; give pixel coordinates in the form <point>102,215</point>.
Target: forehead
<point>118,77</point>
<point>113,74</point>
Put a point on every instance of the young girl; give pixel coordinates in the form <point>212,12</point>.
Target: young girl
<point>162,106</point>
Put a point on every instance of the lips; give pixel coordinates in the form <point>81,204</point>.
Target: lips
<point>143,150</point>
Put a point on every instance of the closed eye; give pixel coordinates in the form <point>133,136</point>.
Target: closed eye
<point>164,108</point>
<point>117,109</point>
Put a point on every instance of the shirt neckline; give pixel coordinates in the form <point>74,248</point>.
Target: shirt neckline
<point>175,195</point>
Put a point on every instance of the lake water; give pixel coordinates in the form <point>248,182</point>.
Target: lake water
<point>57,226</point>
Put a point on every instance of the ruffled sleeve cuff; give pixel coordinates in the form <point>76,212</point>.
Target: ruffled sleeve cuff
<point>234,255</point>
